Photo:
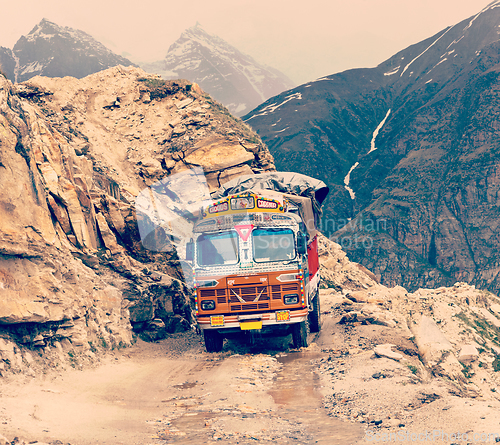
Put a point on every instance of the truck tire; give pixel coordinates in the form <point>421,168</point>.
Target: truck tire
<point>315,315</point>
<point>213,340</point>
<point>299,334</point>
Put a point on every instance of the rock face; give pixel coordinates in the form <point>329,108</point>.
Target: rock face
<point>409,150</point>
<point>74,154</point>
<point>54,51</point>
<point>7,63</point>
<point>231,77</point>
<point>449,334</point>
<point>338,272</point>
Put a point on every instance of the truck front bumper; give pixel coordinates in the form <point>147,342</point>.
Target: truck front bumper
<point>238,322</point>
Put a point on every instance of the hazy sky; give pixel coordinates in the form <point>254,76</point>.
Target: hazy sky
<point>304,39</point>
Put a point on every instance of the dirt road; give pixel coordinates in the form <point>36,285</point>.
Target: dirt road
<point>175,392</point>
<point>336,391</point>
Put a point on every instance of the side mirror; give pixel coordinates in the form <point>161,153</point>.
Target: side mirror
<point>190,251</point>
<point>301,243</point>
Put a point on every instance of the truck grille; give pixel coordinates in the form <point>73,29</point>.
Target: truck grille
<point>249,306</point>
<point>219,293</point>
<point>277,289</point>
<point>248,293</point>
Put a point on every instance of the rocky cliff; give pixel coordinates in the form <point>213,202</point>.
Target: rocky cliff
<point>410,152</point>
<point>74,154</point>
<point>442,341</point>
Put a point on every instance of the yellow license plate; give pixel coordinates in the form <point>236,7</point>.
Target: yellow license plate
<point>250,325</point>
<point>217,320</point>
<point>283,316</point>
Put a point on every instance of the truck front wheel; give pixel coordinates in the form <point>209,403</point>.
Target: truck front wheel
<point>299,334</point>
<point>315,315</point>
<point>213,340</point>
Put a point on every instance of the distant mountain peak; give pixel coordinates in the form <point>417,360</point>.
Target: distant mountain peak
<point>46,30</point>
<point>196,31</point>
<point>197,25</point>
<point>55,51</point>
<point>41,29</point>
<point>227,74</point>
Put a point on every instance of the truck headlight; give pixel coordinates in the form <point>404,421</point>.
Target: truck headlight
<point>208,305</point>
<point>207,283</point>
<point>284,277</point>
<point>291,299</point>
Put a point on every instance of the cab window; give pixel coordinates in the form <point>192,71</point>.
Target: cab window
<point>217,248</point>
<point>273,245</point>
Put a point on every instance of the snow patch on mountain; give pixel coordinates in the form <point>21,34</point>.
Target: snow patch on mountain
<point>426,49</point>
<point>320,79</point>
<point>273,107</point>
<point>347,180</point>
<point>33,67</point>
<point>394,71</point>
<point>490,6</point>
<point>440,62</point>
<point>455,42</point>
<point>281,131</point>
<point>375,133</point>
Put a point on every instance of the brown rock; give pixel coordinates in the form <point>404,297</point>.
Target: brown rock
<point>107,235</point>
<point>234,172</point>
<point>468,354</point>
<point>196,88</point>
<point>216,154</point>
<point>75,212</point>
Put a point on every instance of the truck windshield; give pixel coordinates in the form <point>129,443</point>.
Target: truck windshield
<point>217,248</point>
<point>273,245</point>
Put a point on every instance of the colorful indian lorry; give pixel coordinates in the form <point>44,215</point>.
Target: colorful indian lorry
<point>254,258</point>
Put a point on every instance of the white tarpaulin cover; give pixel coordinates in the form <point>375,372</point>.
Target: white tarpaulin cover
<point>284,182</point>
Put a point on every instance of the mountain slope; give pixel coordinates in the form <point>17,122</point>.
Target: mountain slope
<point>231,77</point>
<point>409,151</point>
<point>54,51</point>
<point>7,62</point>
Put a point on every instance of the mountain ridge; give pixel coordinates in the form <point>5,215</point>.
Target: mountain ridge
<point>329,127</point>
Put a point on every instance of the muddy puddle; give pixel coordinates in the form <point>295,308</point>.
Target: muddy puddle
<point>289,410</point>
<point>297,392</point>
